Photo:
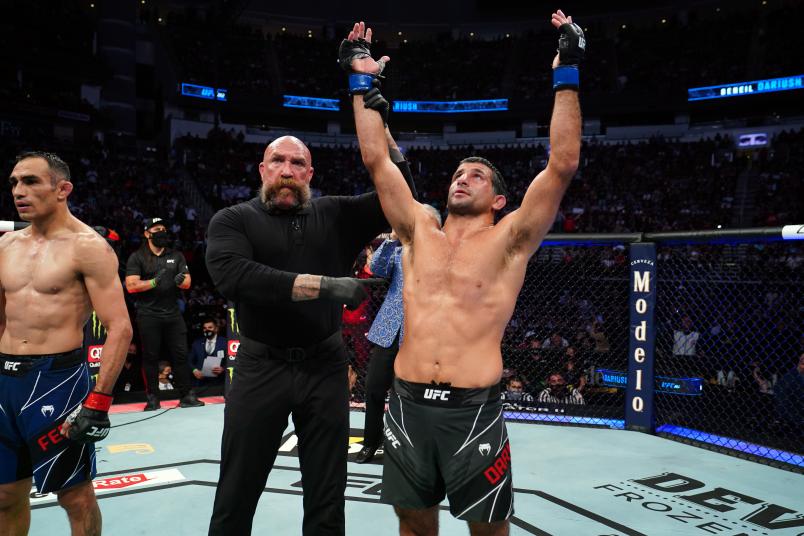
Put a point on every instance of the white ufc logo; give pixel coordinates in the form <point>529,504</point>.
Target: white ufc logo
<point>12,365</point>
<point>436,394</point>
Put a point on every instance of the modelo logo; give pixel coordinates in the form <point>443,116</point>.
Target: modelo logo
<point>120,482</point>
<point>234,346</point>
<point>94,354</point>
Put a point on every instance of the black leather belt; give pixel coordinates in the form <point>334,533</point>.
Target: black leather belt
<point>292,354</point>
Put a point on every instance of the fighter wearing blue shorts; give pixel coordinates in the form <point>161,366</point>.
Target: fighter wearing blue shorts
<point>52,275</point>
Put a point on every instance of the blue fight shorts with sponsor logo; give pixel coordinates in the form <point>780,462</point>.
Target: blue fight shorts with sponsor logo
<point>37,393</point>
<point>443,440</point>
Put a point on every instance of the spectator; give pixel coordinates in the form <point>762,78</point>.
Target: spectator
<point>209,346</point>
<point>130,378</point>
<point>165,377</point>
<point>789,392</point>
<point>558,392</point>
<point>685,342</point>
<point>573,373</point>
<point>555,342</point>
<point>599,336</point>
<point>515,391</point>
<point>764,384</point>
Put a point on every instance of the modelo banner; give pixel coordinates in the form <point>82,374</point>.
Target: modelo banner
<point>94,338</point>
<point>233,335</point>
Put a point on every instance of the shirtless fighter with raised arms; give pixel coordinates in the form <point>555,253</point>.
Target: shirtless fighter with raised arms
<point>52,275</point>
<point>445,432</point>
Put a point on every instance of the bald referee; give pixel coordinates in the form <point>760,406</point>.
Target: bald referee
<point>282,258</point>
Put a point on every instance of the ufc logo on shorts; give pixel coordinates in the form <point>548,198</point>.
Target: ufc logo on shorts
<point>436,394</point>
<point>392,438</point>
<point>12,365</point>
<point>98,433</point>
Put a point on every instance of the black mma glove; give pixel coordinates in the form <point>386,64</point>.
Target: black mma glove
<point>90,420</point>
<point>374,100</point>
<point>571,44</point>
<point>571,49</point>
<point>350,291</point>
<point>179,279</point>
<point>352,50</point>
<point>348,51</point>
<point>159,277</point>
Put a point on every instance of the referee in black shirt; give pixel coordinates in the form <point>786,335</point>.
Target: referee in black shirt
<point>261,254</point>
<point>154,274</point>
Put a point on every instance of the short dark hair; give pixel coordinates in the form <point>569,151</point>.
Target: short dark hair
<point>54,162</point>
<point>497,181</point>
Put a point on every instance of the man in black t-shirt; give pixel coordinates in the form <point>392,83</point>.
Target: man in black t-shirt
<point>155,273</point>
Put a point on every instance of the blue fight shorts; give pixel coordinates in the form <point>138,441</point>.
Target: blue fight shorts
<point>37,393</point>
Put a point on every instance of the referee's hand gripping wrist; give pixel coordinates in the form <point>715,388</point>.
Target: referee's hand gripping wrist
<point>349,291</point>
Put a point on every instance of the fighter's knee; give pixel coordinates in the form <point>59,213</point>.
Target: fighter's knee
<point>417,522</point>
<point>80,498</point>
<point>14,495</point>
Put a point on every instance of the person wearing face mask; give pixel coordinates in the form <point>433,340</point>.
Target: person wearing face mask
<point>210,348</point>
<point>154,275</point>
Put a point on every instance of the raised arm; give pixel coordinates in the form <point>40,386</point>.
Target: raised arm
<point>531,221</point>
<point>398,202</point>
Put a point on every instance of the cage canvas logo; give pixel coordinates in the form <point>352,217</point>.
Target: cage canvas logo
<point>132,481</point>
<point>290,443</point>
<point>699,507</point>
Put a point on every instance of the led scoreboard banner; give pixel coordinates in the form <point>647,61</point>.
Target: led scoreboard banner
<point>451,107</point>
<point>204,92</point>
<point>740,89</point>
<point>310,103</point>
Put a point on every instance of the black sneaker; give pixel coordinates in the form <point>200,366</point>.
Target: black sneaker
<point>366,454</point>
<point>152,403</point>
<point>190,401</point>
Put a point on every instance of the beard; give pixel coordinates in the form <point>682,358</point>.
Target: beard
<point>462,209</point>
<point>274,199</point>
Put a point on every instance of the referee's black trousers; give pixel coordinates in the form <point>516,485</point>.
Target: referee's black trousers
<point>264,392</point>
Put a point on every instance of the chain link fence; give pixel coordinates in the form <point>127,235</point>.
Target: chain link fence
<point>569,331</point>
<point>729,321</point>
<point>729,348</point>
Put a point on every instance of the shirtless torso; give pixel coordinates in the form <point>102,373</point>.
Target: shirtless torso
<point>44,297</point>
<point>459,294</point>
<point>461,283</point>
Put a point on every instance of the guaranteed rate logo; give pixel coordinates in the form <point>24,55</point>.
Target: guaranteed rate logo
<point>706,509</point>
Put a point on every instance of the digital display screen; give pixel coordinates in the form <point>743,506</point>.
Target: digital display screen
<point>311,103</point>
<point>203,92</point>
<point>740,89</point>
<point>451,107</point>
<point>664,384</point>
<point>752,139</point>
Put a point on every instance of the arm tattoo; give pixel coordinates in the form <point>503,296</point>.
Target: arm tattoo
<point>306,287</point>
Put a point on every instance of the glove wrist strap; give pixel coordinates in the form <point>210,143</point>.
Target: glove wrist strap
<point>566,77</point>
<point>360,83</point>
<point>98,401</point>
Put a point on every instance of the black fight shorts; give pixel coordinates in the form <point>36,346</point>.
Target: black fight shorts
<point>447,441</point>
